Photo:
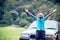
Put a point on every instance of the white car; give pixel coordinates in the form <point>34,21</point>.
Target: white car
<point>51,28</point>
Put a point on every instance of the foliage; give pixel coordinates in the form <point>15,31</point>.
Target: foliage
<point>36,6</point>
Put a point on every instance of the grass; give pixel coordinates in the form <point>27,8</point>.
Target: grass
<point>10,33</point>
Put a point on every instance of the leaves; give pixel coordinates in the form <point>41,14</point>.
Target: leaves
<point>35,6</point>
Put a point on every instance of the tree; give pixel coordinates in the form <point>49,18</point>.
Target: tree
<point>36,6</point>
<point>1,9</point>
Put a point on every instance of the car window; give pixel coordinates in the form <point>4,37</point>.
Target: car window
<point>33,25</point>
<point>51,24</point>
<point>48,25</point>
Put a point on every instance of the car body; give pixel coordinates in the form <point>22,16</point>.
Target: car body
<point>51,29</point>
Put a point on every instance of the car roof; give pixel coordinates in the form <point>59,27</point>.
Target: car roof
<point>48,24</point>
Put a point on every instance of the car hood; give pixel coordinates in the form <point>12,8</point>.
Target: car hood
<point>33,31</point>
<point>29,31</point>
<point>51,31</point>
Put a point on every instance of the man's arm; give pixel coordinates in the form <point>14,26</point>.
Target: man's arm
<point>26,10</point>
<point>50,13</point>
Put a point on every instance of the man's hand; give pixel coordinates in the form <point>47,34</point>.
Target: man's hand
<point>54,11</point>
<point>51,13</point>
<point>26,9</point>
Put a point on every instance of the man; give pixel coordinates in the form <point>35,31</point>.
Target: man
<point>40,20</point>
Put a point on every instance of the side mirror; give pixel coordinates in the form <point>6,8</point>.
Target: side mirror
<point>26,27</point>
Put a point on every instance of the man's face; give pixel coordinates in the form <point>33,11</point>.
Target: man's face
<point>40,15</point>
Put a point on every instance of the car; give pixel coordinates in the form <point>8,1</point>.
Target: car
<point>51,29</point>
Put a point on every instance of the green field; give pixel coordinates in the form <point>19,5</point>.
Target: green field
<point>10,33</point>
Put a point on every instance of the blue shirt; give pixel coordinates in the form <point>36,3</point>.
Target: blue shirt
<point>40,23</point>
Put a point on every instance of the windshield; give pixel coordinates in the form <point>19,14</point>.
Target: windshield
<point>33,25</point>
<point>48,25</point>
